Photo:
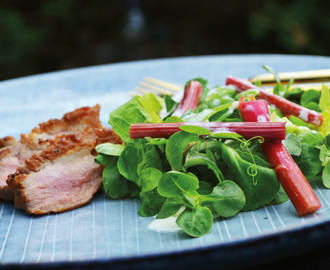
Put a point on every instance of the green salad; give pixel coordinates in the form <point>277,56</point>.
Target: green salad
<point>206,173</point>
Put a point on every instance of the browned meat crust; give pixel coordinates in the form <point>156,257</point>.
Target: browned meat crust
<point>74,121</point>
<point>7,141</point>
<point>62,177</point>
<point>106,134</point>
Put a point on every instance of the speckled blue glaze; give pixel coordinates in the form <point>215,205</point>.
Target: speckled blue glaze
<point>108,233</point>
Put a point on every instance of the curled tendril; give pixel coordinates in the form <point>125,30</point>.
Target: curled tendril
<point>259,138</point>
<point>252,170</point>
<point>244,143</point>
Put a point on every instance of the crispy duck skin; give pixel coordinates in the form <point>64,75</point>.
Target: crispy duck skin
<point>74,121</point>
<point>62,177</point>
<point>106,134</point>
<point>7,141</point>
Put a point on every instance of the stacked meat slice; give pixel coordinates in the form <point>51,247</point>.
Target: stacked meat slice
<point>9,161</point>
<point>52,168</point>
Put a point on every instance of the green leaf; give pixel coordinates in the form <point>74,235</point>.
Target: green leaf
<point>152,157</point>
<point>227,198</point>
<point>205,188</point>
<point>173,119</point>
<point>173,184</point>
<point>158,142</point>
<point>149,179</point>
<point>220,111</point>
<point>195,129</point>
<point>131,112</point>
<point>128,162</point>
<point>297,121</point>
<point>279,90</point>
<point>314,138</point>
<point>274,72</point>
<point>233,119</point>
<point>253,158</point>
<point>326,175</point>
<point>116,186</point>
<point>170,207</point>
<point>293,92</point>
<point>261,189</point>
<point>151,203</point>
<point>309,96</point>
<point>324,153</point>
<point>325,98</point>
<point>225,112</point>
<point>176,146</point>
<point>281,197</point>
<point>151,103</point>
<point>106,160</point>
<point>308,161</point>
<point>210,104</point>
<point>226,136</point>
<point>110,149</point>
<point>196,222</point>
<point>257,83</point>
<point>188,200</point>
<point>224,93</point>
<point>293,144</point>
<point>327,140</point>
<point>313,106</point>
<point>207,159</point>
<point>170,104</point>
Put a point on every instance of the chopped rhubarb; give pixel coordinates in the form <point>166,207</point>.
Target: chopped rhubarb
<point>267,130</point>
<point>291,178</point>
<point>288,173</point>
<point>285,106</point>
<point>191,98</point>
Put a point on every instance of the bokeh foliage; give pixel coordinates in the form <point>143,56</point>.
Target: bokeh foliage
<point>299,26</point>
<point>39,36</point>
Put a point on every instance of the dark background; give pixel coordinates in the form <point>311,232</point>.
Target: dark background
<point>38,36</point>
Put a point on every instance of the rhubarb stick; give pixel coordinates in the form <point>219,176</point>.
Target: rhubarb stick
<point>267,130</point>
<point>288,173</point>
<point>285,106</point>
<point>191,98</point>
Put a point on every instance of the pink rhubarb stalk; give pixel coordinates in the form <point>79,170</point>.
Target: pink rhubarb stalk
<point>288,173</point>
<point>267,130</point>
<point>191,98</point>
<point>285,106</point>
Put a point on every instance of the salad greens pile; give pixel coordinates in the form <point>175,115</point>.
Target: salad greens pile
<point>208,174</point>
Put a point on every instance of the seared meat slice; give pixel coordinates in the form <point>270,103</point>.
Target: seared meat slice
<point>8,165</point>
<point>9,161</point>
<point>13,153</point>
<point>62,177</point>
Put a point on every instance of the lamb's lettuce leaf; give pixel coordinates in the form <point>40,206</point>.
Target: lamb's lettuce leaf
<point>131,112</point>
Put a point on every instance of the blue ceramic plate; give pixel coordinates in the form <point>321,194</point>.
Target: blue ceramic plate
<point>109,233</point>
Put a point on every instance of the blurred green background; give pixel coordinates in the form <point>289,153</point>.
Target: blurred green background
<point>50,35</point>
